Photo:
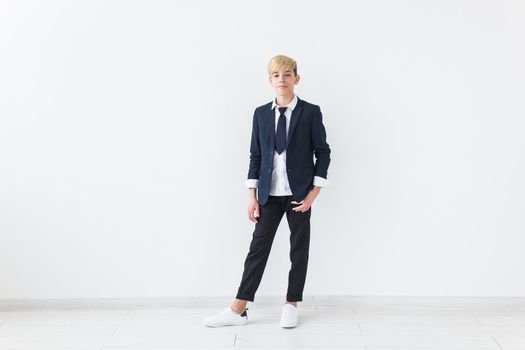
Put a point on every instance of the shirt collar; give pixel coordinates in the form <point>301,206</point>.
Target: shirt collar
<point>290,105</point>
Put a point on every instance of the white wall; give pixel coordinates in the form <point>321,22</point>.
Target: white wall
<point>124,145</point>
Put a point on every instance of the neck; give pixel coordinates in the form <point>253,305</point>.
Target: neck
<point>284,100</point>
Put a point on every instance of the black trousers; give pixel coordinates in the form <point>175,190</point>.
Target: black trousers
<point>270,215</point>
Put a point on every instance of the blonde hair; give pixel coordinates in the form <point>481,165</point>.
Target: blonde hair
<point>282,62</point>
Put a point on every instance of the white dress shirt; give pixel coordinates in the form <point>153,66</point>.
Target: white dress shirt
<point>280,185</point>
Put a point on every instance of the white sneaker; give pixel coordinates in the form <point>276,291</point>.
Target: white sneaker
<point>289,316</point>
<point>226,317</point>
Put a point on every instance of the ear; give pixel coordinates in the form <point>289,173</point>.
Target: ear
<point>297,78</point>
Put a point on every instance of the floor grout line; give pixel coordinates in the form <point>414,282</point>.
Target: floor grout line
<point>477,319</point>
<point>493,338</point>
<point>116,328</point>
<point>6,320</point>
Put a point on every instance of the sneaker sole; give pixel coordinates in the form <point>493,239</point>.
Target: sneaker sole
<point>288,325</point>
<point>223,325</point>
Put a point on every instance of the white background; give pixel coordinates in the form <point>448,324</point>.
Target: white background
<point>124,145</point>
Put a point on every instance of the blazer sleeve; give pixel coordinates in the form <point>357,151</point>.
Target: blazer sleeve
<point>255,153</point>
<point>321,147</point>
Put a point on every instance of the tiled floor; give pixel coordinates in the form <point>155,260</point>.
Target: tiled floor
<point>368,323</point>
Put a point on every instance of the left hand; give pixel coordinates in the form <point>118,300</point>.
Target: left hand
<point>306,203</point>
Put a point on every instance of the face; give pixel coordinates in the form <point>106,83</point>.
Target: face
<point>283,82</point>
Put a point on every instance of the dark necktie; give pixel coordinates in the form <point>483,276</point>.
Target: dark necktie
<point>280,133</point>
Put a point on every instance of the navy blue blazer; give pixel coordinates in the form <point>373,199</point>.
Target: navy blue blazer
<point>306,137</point>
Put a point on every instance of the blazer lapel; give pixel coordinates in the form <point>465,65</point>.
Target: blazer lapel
<point>296,114</point>
<point>270,124</point>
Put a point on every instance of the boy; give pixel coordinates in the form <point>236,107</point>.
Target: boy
<point>286,133</point>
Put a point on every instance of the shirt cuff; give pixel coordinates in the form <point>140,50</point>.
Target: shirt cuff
<point>320,181</point>
<point>251,183</point>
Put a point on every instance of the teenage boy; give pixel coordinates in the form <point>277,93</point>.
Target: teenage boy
<point>282,179</point>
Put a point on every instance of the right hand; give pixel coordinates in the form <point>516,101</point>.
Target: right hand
<point>253,210</point>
